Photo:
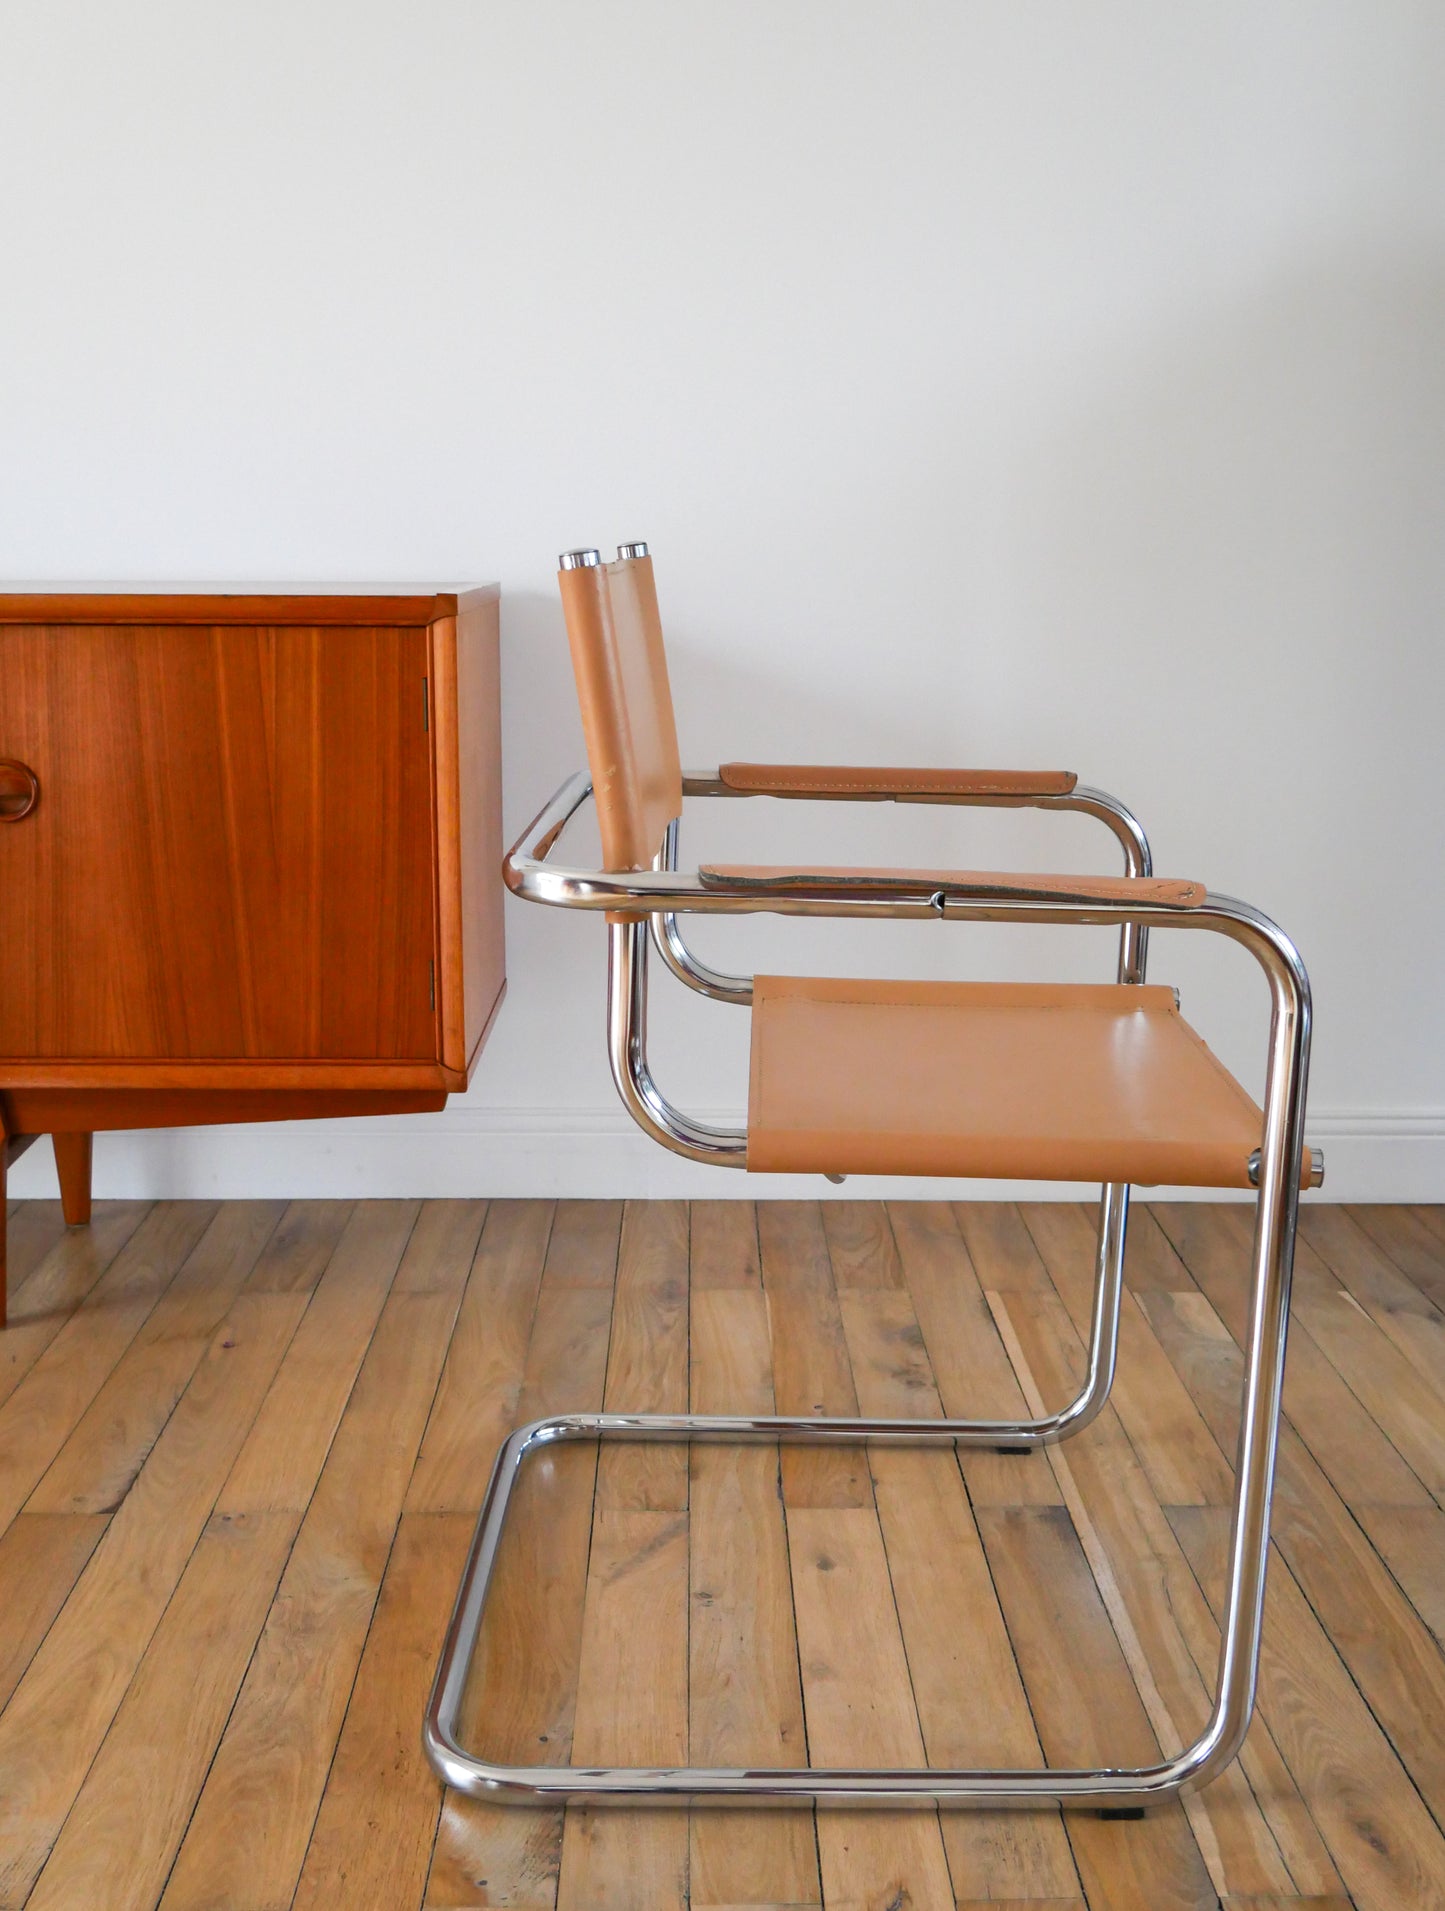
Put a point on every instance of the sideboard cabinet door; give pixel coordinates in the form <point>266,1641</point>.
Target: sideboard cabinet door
<point>231,855</point>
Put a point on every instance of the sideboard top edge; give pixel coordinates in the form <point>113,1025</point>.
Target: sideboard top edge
<point>249,604</point>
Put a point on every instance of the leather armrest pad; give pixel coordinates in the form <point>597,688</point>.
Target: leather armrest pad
<point>1159,892</point>
<point>825,779</point>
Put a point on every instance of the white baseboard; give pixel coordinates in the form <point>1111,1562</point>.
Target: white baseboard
<point>1381,1155</point>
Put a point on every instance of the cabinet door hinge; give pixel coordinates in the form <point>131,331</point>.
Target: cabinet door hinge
<point>431,984</point>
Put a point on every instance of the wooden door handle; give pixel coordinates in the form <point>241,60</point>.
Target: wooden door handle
<point>19,789</point>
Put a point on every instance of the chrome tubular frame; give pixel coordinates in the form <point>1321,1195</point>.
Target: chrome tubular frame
<point>627,1052</point>
<point>1111,1789</point>
<point>627,1049</point>
<point>667,934</point>
<point>667,939</point>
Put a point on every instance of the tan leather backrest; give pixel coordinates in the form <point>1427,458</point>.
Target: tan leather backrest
<point>621,671</point>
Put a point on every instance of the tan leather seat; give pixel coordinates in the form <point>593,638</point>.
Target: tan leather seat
<point>1006,1081</point>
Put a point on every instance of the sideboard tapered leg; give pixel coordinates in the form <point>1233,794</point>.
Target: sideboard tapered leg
<point>72,1164</point>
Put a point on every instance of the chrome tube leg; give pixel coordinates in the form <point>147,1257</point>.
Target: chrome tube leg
<point>1243,1619</point>
<point>1276,1217</point>
<point>1108,1294</point>
<point>1108,1290</point>
<point>1103,1331</point>
<point>627,1053</point>
<point>667,940</point>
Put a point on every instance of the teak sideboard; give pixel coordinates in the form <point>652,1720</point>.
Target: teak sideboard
<point>250,851</point>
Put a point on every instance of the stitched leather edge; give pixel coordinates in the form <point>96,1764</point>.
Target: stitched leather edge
<point>784,780</point>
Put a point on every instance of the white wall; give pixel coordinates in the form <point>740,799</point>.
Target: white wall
<point>996,384</point>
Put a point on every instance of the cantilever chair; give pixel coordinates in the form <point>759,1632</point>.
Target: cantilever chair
<point>1068,1082</point>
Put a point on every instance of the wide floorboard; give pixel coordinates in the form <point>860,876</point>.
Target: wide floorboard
<point>242,1447</point>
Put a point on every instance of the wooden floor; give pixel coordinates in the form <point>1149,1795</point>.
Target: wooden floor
<point>242,1446</point>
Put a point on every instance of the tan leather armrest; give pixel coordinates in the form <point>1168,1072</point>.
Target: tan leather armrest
<point>1158,892</point>
<point>825,779</point>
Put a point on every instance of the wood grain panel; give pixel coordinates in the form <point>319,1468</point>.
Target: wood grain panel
<point>1410,1242</point>
<point>966,1686</point>
<point>247,1840</point>
<point>296,1256</point>
<point>58,1286</point>
<point>64,1705</point>
<point>522,1691</point>
<point>41,1557</point>
<point>1392,1300</point>
<point>1388,1649</point>
<point>476,1403</point>
<point>117,1844</point>
<point>1088,1710</point>
<point>1163,1626</point>
<point>231,856</point>
<point>970,1368</point>
<point>631,1710</point>
<point>633,1669</point>
<point>860,1708</point>
<point>647,1362</point>
<point>285,1448</point>
<point>32,1229</point>
<point>1411,1541</point>
<point>37,1419</point>
<point>1389,1850</point>
<point>861,1245</point>
<point>1362,1465</point>
<point>1408,1408</point>
<point>96,1467</point>
<point>1184,1465</point>
<point>373,1839</point>
<point>971,1706</point>
<point>582,1249</point>
<point>745,1701</point>
<point>811,1374</point>
<point>724,1246</point>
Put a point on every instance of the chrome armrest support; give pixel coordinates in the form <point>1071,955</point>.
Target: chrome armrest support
<point>638,893</point>
<point>668,941</point>
<point>528,874</point>
<point>627,1053</point>
<point>1089,802</point>
<point>1107,809</point>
